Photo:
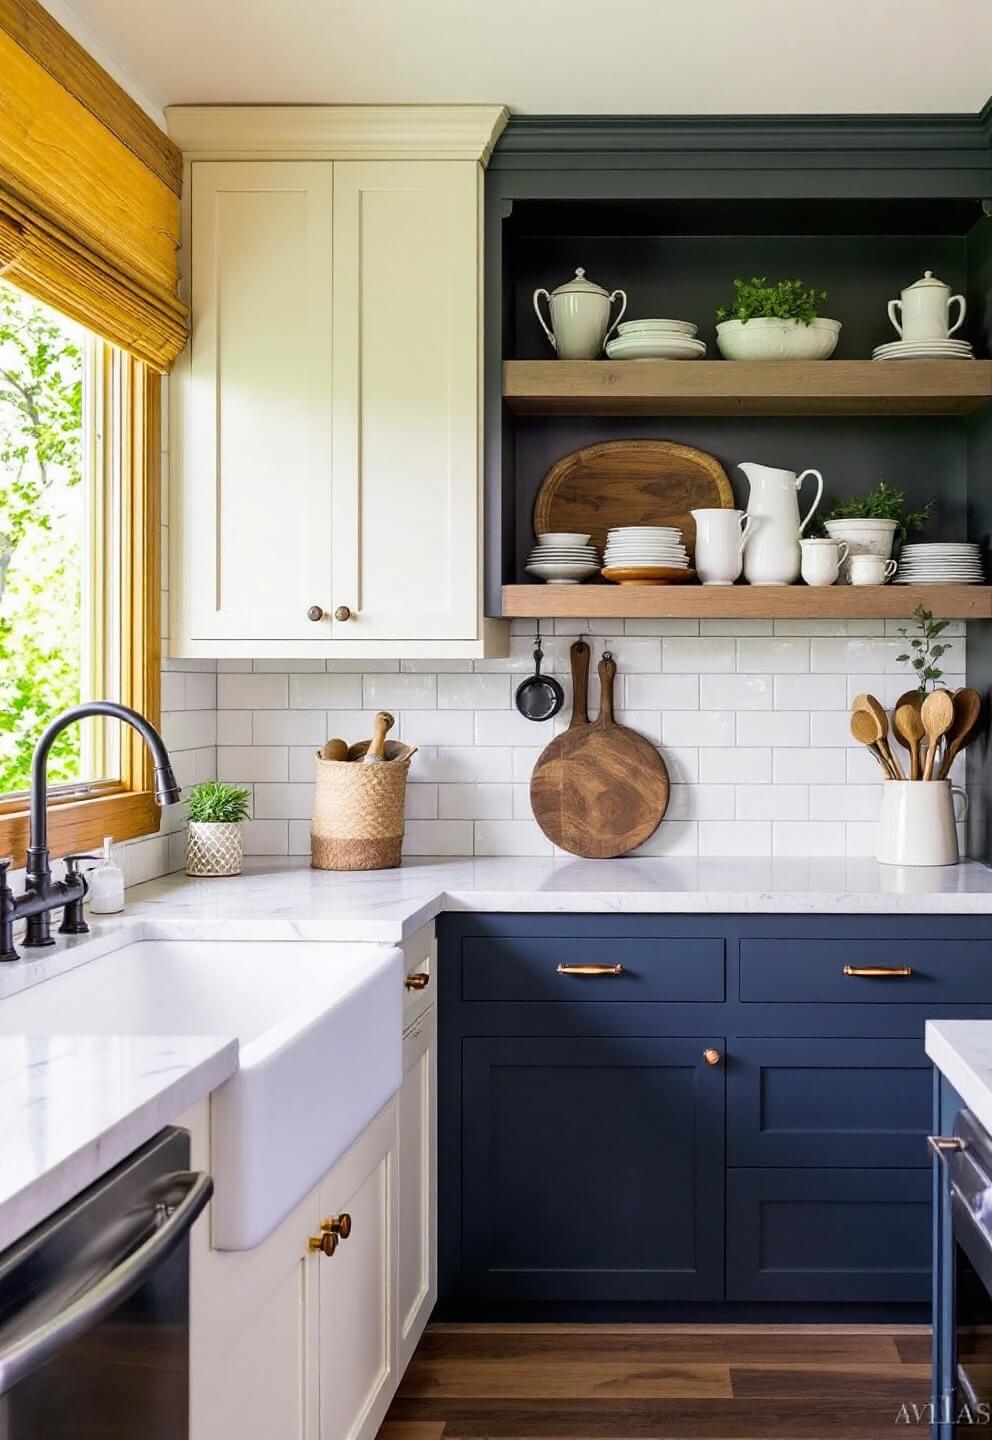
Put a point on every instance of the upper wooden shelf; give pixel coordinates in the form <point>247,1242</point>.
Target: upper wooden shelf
<point>802,602</point>
<point>742,387</point>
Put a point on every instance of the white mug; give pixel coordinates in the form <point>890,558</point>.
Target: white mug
<point>720,541</point>
<point>822,560</point>
<point>871,569</point>
<point>917,823</point>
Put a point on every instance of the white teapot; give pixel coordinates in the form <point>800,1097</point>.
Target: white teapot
<point>580,317</point>
<point>925,310</point>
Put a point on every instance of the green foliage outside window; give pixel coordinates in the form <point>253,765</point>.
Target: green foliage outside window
<point>41,469</point>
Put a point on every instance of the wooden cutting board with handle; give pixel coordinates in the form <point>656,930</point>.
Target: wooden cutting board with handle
<point>598,790</point>
<point>630,482</point>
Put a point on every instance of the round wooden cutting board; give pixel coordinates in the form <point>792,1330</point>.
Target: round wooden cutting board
<point>598,790</point>
<point>630,482</point>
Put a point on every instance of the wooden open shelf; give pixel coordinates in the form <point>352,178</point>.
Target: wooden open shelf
<point>741,387</point>
<point>794,602</point>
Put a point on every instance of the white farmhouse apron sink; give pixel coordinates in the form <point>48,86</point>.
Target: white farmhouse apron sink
<point>320,1034</point>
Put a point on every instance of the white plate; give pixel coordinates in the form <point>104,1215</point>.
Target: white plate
<point>643,348</point>
<point>645,532</point>
<point>655,327</point>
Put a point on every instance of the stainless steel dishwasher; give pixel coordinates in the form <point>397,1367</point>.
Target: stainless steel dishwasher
<point>94,1307</point>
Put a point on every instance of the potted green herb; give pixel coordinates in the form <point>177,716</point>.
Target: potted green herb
<point>213,838</point>
<point>869,524</point>
<point>775,322</point>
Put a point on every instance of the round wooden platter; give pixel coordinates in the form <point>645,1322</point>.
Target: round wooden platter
<point>598,790</point>
<point>630,482</point>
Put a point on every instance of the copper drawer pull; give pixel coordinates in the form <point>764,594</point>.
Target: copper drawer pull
<point>590,969</point>
<point>879,972</point>
<point>417,981</point>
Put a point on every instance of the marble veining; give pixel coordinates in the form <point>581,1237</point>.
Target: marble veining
<point>72,1107</point>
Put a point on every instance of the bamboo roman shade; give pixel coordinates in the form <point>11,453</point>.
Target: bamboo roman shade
<point>89,191</point>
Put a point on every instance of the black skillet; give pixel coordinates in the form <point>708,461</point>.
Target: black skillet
<point>539,697</point>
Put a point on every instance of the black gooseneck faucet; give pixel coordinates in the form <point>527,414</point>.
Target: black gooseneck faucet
<point>42,894</point>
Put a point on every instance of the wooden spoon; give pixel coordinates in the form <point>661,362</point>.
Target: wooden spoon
<point>864,728</point>
<point>908,730</point>
<point>967,711</point>
<point>937,714</point>
<point>375,754</point>
<point>877,710</point>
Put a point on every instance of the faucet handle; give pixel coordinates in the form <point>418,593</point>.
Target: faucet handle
<point>6,861</point>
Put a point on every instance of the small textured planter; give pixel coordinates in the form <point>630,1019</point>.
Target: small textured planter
<point>213,848</point>
<point>862,537</point>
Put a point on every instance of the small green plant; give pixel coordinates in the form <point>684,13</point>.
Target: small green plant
<point>214,803</point>
<point>884,502</point>
<point>788,300</point>
<point>925,649</point>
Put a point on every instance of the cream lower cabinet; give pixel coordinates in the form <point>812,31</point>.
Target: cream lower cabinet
<point>416,1285</point>
<point>326,495</point>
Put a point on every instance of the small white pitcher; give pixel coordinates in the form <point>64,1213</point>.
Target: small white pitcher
<point>917,823</point>
<point>720,541</point>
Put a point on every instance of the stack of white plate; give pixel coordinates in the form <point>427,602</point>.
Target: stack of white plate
<point>563,559</point>
<point>924,350</point>
<point>645,554</point>
<point>656,340</point>
<point>959,564</point>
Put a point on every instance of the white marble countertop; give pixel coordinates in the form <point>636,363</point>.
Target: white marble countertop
<point>279,898</point>
<point>962,1051</point>
<point>72,1107</point>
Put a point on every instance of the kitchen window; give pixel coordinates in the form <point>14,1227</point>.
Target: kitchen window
<point>79,528</point>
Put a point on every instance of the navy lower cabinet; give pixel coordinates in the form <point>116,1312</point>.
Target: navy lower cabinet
<point>692,1116</point>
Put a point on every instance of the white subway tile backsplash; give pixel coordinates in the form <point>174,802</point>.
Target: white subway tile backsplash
<point>751,718</point>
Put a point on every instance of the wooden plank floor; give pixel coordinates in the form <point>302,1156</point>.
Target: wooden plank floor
<point>664,1382</point>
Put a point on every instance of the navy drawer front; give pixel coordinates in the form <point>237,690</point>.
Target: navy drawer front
<point>525,968</point>
<point>828,1236</point>
<point>807,969</point>
<point>837,1102</point>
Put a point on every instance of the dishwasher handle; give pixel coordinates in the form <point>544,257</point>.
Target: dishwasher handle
<point>181,1196</point>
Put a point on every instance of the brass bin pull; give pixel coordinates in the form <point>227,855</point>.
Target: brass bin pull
<point>417,981</point>
<point>590,969</point>
<point>879,972</point>
<point>942,1145</point>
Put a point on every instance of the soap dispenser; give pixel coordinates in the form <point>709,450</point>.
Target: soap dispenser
<point>106,883</point>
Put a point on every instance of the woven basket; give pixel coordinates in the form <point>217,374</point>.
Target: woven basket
<point>358,810</point>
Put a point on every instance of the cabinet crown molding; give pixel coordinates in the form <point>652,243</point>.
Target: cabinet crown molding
<point>338,132</point>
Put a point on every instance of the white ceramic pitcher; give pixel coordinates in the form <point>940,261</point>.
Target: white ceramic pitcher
<point>772,555</point>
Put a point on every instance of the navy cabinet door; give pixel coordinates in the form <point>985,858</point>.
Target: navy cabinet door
<point>844,1101</point>
<point>828,1235</point>
<point>593,1169</point>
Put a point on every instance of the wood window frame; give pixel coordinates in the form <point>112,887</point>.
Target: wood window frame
<point>124,808</point>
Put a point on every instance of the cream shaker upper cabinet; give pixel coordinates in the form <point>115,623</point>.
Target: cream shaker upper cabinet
<point>256,479</point>
<point>406,399</point>
<point>326,478</point>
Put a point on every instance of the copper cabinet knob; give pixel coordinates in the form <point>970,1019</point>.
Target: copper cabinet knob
<point>338,1225</point>
<point>326,1242</point>
<point>417,981</point>
<point>344,613</point>
<point>315,613</point>
<point>712,1057</point>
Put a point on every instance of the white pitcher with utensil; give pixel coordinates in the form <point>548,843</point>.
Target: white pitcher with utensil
<point>918,824</point>
<point>772,555</point>
<point>924,310</point>
<point>580,317</point>
<point>720,539</point>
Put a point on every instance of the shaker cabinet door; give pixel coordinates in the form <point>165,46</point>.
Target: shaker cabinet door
<point>254,466</point>
<point>406,400</point>
<point>592,1169</point>
<point>416,1286</point>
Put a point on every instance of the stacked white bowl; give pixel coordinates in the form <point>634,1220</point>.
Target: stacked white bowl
<point>563,558</point>
<point>649,548</point>
<point>656,340</point>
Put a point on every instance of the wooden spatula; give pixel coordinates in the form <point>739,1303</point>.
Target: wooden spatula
<point>967,712</point>
<point>907,727</point>
<point>937,714</point>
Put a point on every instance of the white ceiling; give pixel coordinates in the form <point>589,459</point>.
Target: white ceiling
<point>548,56</point>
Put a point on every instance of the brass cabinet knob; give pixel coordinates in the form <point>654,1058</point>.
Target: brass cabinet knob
<point>344,613</point>
<point>326,1242</point>
<point>338,1226</point>
<point>417,981</point>
<point>315,613</point>
<point>712,1057</point>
